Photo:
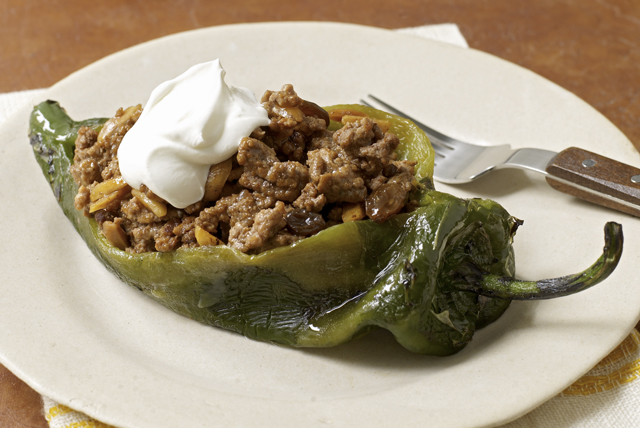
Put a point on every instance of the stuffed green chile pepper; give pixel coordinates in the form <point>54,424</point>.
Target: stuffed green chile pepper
<point>431,273</point>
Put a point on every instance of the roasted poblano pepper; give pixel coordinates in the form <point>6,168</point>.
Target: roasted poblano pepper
<point>431,277</point>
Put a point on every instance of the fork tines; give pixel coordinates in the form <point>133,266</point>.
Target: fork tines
<point>440,142</point>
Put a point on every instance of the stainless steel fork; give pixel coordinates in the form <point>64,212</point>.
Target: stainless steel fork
<point>575,171</point>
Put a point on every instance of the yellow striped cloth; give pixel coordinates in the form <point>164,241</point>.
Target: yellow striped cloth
<point>607,396</point>
<point>619,367</point>
<point>60,416</point>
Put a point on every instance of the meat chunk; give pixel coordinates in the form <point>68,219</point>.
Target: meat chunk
<point>236,208</point>
<point>165,239</point>
<point>142,237</point>
<point>366,145</point>
<point>210,218</point>
<point>323,140</point>
<point>250,224</point>
<point>284,98</point>
<point>291,128</point>
<point>252,235</point>
<point>374,158</point>
<point>310,199</point>
<point>281,239</point>
<point>186,230</point>
<point>81,201</point>
<point>357,134</point>
<point>88,158</point>
<point>335,177</point>
<point>132,209</point>
<point>95,157</point>
<point>264,173</point>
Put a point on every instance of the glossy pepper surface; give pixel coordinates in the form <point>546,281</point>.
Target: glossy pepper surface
<point>431,277</point>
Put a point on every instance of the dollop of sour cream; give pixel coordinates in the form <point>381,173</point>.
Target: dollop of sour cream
<point>189,123</point>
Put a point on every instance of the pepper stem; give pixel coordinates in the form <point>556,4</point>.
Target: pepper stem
<point>511,288</point>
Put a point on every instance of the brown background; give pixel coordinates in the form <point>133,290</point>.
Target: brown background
<point>590,47</point>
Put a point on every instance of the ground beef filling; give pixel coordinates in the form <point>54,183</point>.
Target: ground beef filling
<point>289,180</point>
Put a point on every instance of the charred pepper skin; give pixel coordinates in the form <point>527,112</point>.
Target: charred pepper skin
<point>431,277</point>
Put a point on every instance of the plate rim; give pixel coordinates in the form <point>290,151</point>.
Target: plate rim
<point>22,113</point>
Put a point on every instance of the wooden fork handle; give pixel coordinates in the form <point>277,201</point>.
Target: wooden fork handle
<point>596,179</point>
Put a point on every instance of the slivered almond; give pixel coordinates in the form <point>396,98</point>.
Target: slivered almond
<point>293,112</point>
<point>338,114</point>
<point>128,113</point>
<point>115,122</point>
<point>383,124</point>
<point>101,190</point>
<point>115,235</point>
<point>205,238</point>
<point>348,118</point>
<point>156,207</point>
<point>107,129</point>
<point>103,202</point>
<point>216,180</point>
<point>353,212</point>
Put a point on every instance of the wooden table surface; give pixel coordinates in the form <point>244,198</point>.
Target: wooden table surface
<point>590,47</point>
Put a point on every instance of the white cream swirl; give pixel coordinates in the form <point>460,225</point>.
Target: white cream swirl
<point>189,123</point>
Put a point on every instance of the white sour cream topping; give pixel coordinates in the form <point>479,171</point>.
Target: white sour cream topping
<point>189,123</point>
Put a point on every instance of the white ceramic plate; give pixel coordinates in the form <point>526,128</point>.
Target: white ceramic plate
<point>75,333</point>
